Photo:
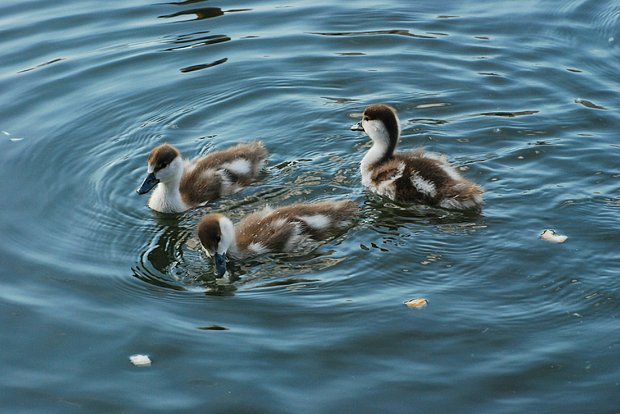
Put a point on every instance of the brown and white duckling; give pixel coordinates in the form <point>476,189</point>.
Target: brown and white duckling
<point>271,230</point>
<point>181,185</point>
<point>410,176</point>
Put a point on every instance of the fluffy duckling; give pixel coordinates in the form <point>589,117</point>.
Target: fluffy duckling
<point>181,185</point>
<point>271,230</point>
<point>410,176</point>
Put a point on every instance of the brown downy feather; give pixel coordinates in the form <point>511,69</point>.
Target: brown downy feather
<point>274,229</point>
<point>196,190</point>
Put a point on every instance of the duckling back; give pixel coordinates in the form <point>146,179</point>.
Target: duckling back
<point>286,228</point>
<point>431,179</point>
<point>222,172</point>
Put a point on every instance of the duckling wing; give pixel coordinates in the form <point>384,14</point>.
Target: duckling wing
<point>241,162</point>
<point>429,178</point>
<point>262,232</point>
<point>222,172</point>
<point>382,178</point>
<point>317,220</point>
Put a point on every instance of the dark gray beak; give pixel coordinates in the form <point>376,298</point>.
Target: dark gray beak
<point>149,182</point>
<point>357,127</point>
<point>220,264</point>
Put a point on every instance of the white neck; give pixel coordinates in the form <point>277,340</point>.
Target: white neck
<point>374,154</point>
<point>380,137</point>
<point>228,240</point>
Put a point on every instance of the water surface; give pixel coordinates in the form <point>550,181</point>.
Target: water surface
<point>521,96</point>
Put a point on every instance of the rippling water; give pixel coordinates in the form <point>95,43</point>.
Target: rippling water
<point>522,96</point>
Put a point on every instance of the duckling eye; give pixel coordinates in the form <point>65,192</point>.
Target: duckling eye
<point>366,118</point>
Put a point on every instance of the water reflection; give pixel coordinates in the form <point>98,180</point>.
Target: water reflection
<point>201,66</point>
<point>391,215</point>
<point>509,114</point>
<point>50,62</point>
<point>398,32</point>
<point>158,264</point>
<point>182,3</point>
<point>396,224</point>
<point>192,40</point>
<point>203,13</point>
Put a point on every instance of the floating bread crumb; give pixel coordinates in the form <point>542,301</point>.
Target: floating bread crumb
<point>417,303</point>
<point>553,237</point>
<point>140,360</point>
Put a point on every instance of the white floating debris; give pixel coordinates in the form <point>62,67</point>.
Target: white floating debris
<point>140,360</point>
<point>551,236</point>
<point>417,303</point>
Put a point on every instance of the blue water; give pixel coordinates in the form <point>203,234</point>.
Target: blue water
<point>522,96</point>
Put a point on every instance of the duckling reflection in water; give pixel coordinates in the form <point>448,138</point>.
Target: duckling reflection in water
<point>181,185</point>
<point>270,230</point>
<point>410,176</point>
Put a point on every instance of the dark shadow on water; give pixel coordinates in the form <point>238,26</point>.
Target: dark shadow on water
<point>41,65</point>
<point>284,282</point>
<point>509,114</point>
<point>194,40</point>
<point>397,32</point>
<point>203,13</point>
<point>183,3</point>
<point>194,68</point>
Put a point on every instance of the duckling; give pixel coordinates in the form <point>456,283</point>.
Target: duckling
<point>271,230</point>
<point>410,176</point>
<point>187,184</point>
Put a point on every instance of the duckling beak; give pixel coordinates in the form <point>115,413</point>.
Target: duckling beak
<point>220,264</point>
<point>149,182</point>
<point>357,127</point>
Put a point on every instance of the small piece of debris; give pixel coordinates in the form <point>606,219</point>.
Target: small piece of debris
<point>140,360</point>
<point>417,303</point>
<point>553,237</point>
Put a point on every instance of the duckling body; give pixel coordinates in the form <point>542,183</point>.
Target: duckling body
<point>410,176</point>
<point>271,230</point>
<point>180,184</point>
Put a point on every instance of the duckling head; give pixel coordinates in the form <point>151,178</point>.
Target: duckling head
<point>380,122</point>
<point>216,233</point>
<point>165,165</point>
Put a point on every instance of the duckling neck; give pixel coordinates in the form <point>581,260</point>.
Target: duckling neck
<point>382,150</point>
<point>166,196</point>
<point>228,243</point>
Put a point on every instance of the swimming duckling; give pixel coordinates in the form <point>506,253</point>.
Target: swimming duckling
<point>410,176</point>
<point>271,230</point>
<point>186,184</point>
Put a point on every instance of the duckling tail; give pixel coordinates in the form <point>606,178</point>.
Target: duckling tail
<point>465,196</point>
